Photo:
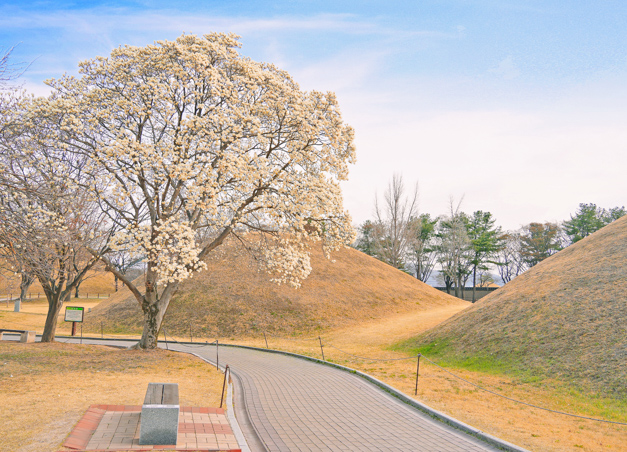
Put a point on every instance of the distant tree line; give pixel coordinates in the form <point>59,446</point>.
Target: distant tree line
<point>465,247</point>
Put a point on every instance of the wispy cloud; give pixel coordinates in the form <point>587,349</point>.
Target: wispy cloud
<point>102,20</point>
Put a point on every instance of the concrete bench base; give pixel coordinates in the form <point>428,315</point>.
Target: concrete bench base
<point>159,425</point>
<point>159,422</point>
<point>25,336</point>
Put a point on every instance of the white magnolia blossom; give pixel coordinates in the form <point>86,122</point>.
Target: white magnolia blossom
<point>288,263</point>
<point>171,245</point>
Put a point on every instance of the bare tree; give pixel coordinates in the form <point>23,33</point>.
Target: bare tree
<point>422,251</point>
<point>394,216</point>
<point>123,261</point>
<point>509,259</point>
<point>454,249</point>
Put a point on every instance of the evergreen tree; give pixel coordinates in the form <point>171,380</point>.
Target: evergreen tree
<point>588,219</point>
<point>485,241</point>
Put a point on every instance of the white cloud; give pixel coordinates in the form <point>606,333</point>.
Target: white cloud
<point>506,69</point>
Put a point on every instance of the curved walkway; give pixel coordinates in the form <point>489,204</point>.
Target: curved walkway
<point>299,405</point>
<point>293,404</point>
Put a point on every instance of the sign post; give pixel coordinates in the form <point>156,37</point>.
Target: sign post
<point>74,314</point>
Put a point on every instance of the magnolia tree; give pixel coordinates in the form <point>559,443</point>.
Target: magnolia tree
<point>194,144</point>
<point>48,223</point>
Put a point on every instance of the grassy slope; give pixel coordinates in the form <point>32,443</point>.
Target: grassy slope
<point>565,318</point>
<point>233,298</point>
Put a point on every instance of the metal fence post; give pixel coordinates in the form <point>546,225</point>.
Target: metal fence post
<point>321,349</point>
<point>417,371</point>
<point>226,371</point>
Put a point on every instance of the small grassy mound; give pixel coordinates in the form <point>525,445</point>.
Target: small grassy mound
<point>233,298</point>
<point>564,319</point>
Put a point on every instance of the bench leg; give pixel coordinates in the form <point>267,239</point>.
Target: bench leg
<point>159,425</point>
<point>27,336</point>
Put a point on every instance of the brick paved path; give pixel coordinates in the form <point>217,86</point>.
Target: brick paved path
<point>299,405</point>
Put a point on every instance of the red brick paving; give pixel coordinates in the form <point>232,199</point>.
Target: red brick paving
<point>200,429</point>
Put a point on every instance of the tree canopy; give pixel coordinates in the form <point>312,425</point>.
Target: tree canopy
<point>588,219</point>
<point>539,241</point>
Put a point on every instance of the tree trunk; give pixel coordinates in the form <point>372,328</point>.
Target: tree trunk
<point>474,283</point>
<point>458,287</point>
<point>76,290</point>
<point>26,282</point>
<point>54,307</point>
<point>116,282</point>
<point>153,318</point>
<point>154,307</point>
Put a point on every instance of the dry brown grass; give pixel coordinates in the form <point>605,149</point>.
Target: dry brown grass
<point>364,307</point>
<point>46,388</point>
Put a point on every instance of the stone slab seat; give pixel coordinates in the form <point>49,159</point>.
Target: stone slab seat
<point>159,422</point>
<point>25,336</point>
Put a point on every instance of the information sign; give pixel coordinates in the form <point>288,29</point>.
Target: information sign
<point>74,313</point>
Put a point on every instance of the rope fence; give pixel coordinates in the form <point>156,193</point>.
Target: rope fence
<point>37,295</point>
<point>417,358</point>
<point>168,340</point>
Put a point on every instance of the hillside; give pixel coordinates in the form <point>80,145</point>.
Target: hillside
<point>565,318</point>
<point>97,282</point>
<point>233,298</point>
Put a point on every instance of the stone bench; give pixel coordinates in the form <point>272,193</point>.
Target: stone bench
<point>25,336</point>
<point>159,422</point>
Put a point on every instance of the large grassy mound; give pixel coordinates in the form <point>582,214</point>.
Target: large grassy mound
<point>565,318</point>
<point>233,298</point>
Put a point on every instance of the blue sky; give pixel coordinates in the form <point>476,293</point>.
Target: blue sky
<point>518,106</point>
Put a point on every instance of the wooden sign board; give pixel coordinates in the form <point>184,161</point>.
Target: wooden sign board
<point>74,313</point>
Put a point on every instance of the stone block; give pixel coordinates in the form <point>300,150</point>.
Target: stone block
<point>159,425</point>
<point>28,336</point>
